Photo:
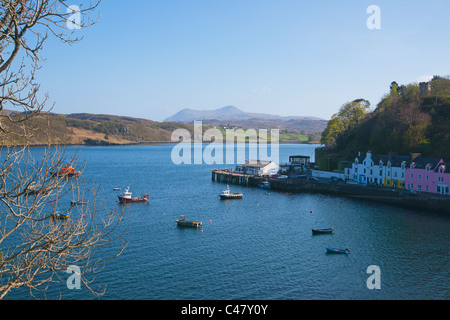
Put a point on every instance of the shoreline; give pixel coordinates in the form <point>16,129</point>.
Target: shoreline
<point>105,144</point>
<point>401,198</point>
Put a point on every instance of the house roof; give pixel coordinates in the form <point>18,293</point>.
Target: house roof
<point>445,165</point>
<point>256,164</point>
<point>396,161</point>
<point>421,163</point>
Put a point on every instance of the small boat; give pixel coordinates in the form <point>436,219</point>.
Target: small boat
<point>182,222</point>
<point>75,202</point>
<point>322,231</point>
<point>126,197</point>
<point>66,171</point>
<point>337,250</point>
<point>59,215</point>
<point>116,189</point>
<point>226,194</point>
<point>264,185</point>
<point>36,189</point>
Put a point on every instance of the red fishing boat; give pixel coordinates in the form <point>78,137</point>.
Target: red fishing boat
<point>67,171</point>
<point>126,197</point>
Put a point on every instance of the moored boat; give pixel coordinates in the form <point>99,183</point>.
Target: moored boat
<point>75,202</point>
<point>60,215</point>
<point>226,194</point>
<point>66,171</point>
<point>322,231</point>
<point>127,197</point>
<point>337,250</point>
<point>182,222</point>
<point>264,185</point>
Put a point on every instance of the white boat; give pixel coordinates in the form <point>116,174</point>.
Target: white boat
<point>126,197</point>
<point>226,194</point>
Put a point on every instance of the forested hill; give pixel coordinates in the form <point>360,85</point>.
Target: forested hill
<point>411,118</point>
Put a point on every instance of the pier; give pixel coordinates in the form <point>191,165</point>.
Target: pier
<point>399,197</point>
<point>230,177</point>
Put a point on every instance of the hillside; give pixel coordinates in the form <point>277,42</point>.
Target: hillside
<point>412,118</point>
<point>102,129</point>
<point>84,128</point>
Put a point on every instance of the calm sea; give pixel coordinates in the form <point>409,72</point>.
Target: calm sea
<point>257,248</point>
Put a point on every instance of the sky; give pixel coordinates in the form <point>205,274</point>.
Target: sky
<point>153,58</point>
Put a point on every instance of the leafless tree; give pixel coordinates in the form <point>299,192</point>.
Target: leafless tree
<point>36,245</point>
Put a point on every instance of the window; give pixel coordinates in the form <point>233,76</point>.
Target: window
<point>420,176</point>
<point>440,179</point>
<point>403,174</point>
<point>419,187</point>
<point>381,172</point>
<point>427,177</point>
<point>412,175</point>
<point>426,188</point>
<point>395,174</point>
<point>364,171</point>
<point>371,171</point>
<point>428,168</point>
<point>389,173</point>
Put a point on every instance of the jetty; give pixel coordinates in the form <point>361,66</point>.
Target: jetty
<point>399,197</point>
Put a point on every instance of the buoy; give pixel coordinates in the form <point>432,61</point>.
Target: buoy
<point>259,217</point>
<point>311,211</point>
<point>258,204</point>
<point>357,230</point>
<point>209,221</point>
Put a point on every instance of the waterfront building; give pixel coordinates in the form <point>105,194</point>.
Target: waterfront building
<point>258,168</point>
<point>395,171</point>
<point>366,169</point>
<point>297,165</point>
<point>383,170</point>
<point>428,175</point>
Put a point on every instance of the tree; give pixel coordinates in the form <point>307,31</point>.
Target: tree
<point>349,115</point>
<point>34,247</point>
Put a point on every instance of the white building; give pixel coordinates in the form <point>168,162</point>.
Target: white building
<point>259,168</point>
<point>386,170</point>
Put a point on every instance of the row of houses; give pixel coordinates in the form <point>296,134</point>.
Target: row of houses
<point>414,172</point>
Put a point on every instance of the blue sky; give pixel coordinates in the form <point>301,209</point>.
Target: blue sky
<point>150,59</point>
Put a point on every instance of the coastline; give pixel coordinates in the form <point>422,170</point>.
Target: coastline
<point>107,144</point>
<point>401,198</point>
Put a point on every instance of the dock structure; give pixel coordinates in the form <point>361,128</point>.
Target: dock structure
<point>391,196</point>
<point>231,177</point>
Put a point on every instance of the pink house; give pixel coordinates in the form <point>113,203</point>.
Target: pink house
<point>428,175</point>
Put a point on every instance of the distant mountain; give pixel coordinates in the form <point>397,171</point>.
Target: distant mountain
<point>227,113</point>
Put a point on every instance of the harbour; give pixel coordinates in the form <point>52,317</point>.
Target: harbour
<point>402,198</point>
<point>258,248</point>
